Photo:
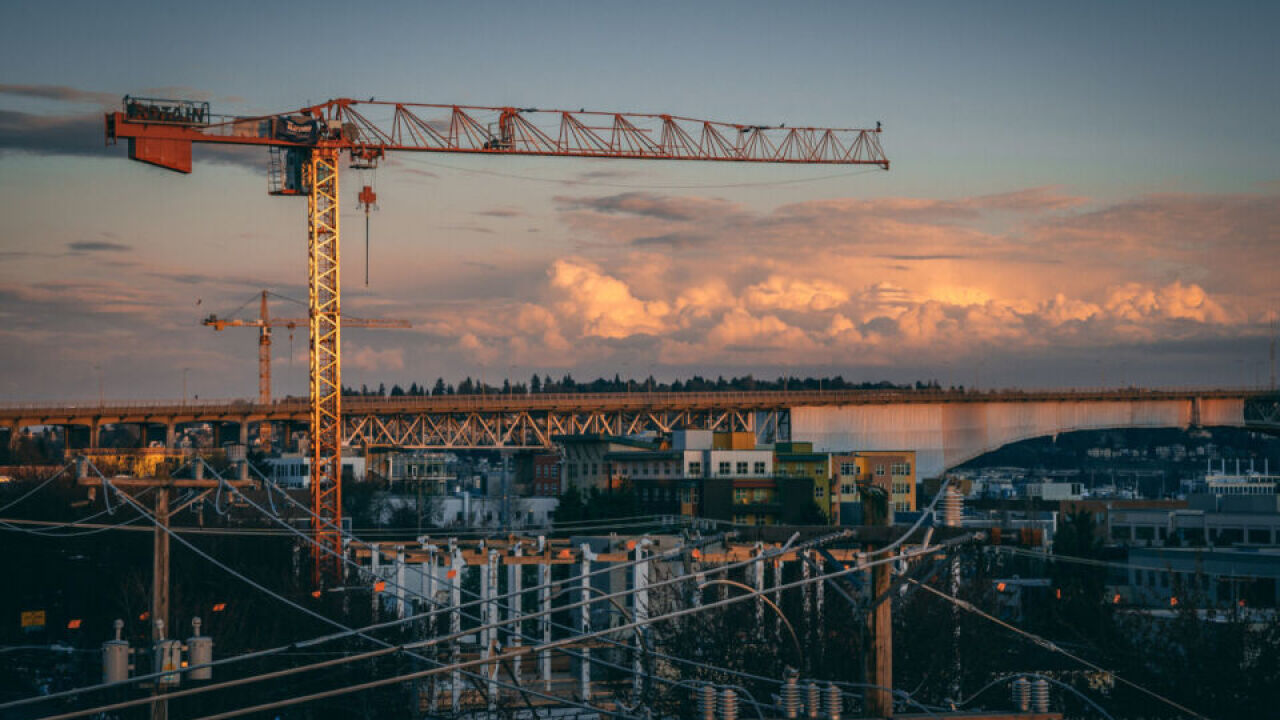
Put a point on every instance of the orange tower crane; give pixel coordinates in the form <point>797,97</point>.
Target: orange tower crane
<point>305,147</point>
<point>265,322</point>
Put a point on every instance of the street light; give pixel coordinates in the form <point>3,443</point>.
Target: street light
<point>185,370</point>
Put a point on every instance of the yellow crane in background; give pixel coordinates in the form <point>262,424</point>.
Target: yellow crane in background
<point>265,322</point>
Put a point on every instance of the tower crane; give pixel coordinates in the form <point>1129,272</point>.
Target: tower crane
<point>305,147</point>
<point>265,322</point>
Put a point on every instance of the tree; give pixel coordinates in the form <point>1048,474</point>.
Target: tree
<point>535,384</point>
<point>809,514</point>
<point>438,388</point>
<point>571,507</point>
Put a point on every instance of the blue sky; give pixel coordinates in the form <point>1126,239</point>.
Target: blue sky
<point>1143,129</point>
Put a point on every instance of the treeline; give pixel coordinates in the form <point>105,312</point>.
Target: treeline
<point>567,384</point>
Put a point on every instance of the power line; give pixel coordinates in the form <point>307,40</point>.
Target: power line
<point>387,647</point>
<point>1053,647</point>
<point>557,644</point>
<point>37,488</point>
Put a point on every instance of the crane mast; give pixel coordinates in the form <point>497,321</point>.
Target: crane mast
<point>306,146</point>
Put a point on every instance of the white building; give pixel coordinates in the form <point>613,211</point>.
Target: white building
<point>294,471</point>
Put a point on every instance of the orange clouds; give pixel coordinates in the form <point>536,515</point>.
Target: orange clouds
<point>603,304</point>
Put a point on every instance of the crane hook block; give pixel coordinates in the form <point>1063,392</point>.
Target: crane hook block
<point>368,198</point>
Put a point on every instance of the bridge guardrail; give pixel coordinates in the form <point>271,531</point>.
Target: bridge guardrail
<point>539,401</point>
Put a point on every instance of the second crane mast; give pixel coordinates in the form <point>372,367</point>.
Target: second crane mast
<point>306,147</point>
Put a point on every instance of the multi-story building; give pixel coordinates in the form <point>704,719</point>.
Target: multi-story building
<point>585,466</point>
<point>546,475</point>
<point>797,461</point>
<point>673,481</point>
<point>1163,577</point>
<point>894,470</point>
<point>294,471</point>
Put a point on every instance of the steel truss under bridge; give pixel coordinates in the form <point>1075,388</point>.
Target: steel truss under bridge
<point>537,428</point>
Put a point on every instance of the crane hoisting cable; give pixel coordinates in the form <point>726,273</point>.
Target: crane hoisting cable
<point>368,199</point>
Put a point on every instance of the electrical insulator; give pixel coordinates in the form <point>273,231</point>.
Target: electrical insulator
<point>1040,695</point>
<point>1021,695</point>
<point>199,652</point>
<point>814,707</point>
<point>706,697</point>
<point>952,506</point>
<point>728,705</point>
<point>791,696</point>
<point>115,657</point>
<point>835,702</point>
<point>168,657</point>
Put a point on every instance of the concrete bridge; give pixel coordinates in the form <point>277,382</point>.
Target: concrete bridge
<point>945,428</point>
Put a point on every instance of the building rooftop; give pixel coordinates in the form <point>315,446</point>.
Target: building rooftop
<point>602,438</point>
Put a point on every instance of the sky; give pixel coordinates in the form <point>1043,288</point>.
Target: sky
<point>1081,194</point>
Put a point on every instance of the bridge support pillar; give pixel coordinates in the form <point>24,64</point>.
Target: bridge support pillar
<point>95,430</point>
<point>244,432</point>
<point>1195,412</point>
<point>170,435</point>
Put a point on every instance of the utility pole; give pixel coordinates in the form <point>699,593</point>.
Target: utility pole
<point>878,658</point>
<point>162,483</point>
<point>160,585</point>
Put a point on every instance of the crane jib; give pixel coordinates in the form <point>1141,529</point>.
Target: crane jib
<point>162,134</point>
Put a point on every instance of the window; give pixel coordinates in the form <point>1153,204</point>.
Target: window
<point>880,470</point>
<point>695,469</point>
<point>846,489</point>
<point>740,496</point>
<point>848,469</point>
<point>742,467</point>
<point>595,469</point>
<point>759,467</point>
<point>724,467</point>
<point>817,491</point>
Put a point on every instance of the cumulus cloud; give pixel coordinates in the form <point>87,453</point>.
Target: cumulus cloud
<point>373,359</point>
<point>778,292</point>
<point>603,303</point>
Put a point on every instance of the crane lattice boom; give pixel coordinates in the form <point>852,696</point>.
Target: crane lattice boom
<point>370,129</point>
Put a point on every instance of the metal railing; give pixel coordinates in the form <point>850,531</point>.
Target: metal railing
<point>745,399</point>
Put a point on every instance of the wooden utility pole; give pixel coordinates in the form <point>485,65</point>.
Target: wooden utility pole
<point>162,483</point>
<point>160,586</point>
<point>878,659</point>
